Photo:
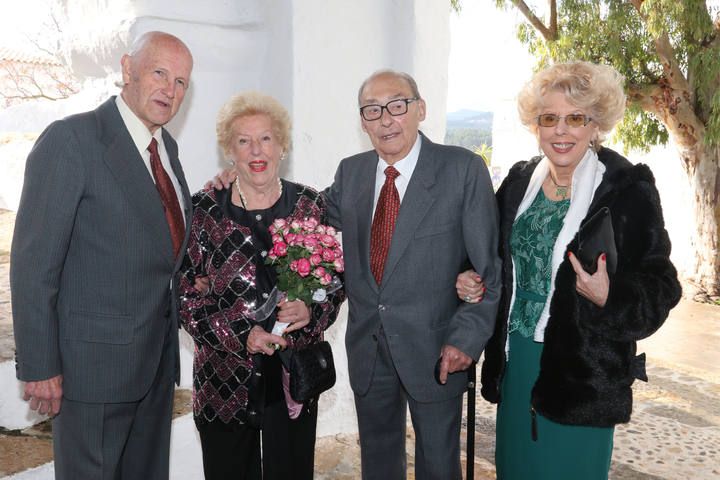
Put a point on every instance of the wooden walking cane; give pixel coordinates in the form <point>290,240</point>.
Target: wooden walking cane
<point>470,444</point>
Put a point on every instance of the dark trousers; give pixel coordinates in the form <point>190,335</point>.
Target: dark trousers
<point>288,447</point>
<point>118,441</point>
<point>382,419</point>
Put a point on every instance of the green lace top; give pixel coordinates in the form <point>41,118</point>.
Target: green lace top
<point>531,245</point>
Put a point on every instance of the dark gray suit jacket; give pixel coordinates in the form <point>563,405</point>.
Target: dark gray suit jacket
<point>92,261</point>
<point>447,220</point>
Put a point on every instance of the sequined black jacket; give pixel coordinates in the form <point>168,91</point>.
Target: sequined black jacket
<point>220,321</point>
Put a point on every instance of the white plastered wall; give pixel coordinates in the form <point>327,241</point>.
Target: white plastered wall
<point>310,54</point>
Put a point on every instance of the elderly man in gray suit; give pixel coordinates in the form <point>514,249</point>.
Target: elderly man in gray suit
<point>412,215</point>
<point>98,239</point>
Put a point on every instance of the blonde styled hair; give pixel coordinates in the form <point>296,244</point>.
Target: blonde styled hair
<point>253,103</point>
<point>596,89</point>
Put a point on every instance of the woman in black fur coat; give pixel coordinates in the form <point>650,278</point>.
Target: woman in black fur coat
<point>562,359</point>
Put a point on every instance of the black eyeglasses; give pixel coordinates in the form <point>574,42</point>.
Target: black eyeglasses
<point>574,120</point>
<point>394,108</point>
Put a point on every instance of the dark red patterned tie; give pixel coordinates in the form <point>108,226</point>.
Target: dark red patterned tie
<point>383,223</point>
<point>165,188</point>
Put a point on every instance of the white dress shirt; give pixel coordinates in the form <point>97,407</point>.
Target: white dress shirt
<point>405,167</point>
<point>141,137</point>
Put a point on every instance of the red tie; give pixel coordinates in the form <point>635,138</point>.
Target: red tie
<point>383,223</point>
<point>165,188</point>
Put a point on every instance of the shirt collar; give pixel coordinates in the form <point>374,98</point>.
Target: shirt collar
<point>139,133</point>
<point>406,165</point>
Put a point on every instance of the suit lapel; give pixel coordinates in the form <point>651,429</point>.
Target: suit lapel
<point>128,167</point>
<point>176,166</point>
<point>364,212</point>
<point>415,204</point>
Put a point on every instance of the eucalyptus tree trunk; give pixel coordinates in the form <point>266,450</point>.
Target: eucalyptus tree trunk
<point>705,187</point>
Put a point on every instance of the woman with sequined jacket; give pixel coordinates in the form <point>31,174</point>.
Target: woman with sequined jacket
<point>562,358</point>
<point>238,380</point>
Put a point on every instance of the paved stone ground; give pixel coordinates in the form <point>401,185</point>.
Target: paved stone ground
<point>674,433</point>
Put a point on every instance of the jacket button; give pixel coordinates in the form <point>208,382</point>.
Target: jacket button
<point>382,308</point>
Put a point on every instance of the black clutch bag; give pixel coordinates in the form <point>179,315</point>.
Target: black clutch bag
<point>596,236</point>
<point>312,371</point>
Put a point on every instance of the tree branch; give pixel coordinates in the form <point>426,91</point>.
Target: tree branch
<point>549,34</point>
<point>679,117</point>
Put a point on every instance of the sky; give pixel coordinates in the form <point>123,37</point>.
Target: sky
<point>487,62</point>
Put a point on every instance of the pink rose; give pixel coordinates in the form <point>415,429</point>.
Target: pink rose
<point>311,223</point>
<point>318,250</point>
<point>328,255</point>
<point>295,225</point>
<point>290,238</point>
<point>339,265</point>
<point>321,229</point>
<point>279,249</point>
<point>310,243</point>
<point>319,272</point>
<point>315,260</point>
<point>327,240</point>
<point>279,223</point>
<point>331,231</point>
<point>277,238</point>
<point>326,279</point>
<point>303,267</point>
<point>294,266</point>
<point>338,252</point>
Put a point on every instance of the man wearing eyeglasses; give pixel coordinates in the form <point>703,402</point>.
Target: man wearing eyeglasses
<point>413,214</point>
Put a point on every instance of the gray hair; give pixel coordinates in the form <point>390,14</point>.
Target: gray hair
<point>405,76</point>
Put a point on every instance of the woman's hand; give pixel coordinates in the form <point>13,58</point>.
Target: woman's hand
<point>260,341</point>
<point>296,313</point>
<point>595,287</point>
<point>470,287</point>
<point>222,180</point>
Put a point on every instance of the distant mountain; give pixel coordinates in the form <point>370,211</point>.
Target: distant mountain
<point>469,119</point>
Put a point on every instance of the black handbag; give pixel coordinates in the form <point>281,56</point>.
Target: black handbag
<point>312,371</point>
<point>596,236</point>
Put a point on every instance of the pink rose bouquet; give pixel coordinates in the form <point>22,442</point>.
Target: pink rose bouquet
<point>307,258</point>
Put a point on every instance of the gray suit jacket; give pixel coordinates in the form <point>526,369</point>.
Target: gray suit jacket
<point>92,261</point>
<point>447,221</point>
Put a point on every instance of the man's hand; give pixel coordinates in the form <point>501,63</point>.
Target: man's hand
<point>202,284</point>
<point>222,180</point>
<point>452,360</point>
<point>44,395</point>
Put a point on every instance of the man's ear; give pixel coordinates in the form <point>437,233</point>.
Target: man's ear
<point>126,70</point>
<point>421,109</point>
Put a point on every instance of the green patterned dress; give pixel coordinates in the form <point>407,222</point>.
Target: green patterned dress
<point>561,452</point>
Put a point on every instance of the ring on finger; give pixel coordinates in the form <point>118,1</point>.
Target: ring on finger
<point>466,298</point>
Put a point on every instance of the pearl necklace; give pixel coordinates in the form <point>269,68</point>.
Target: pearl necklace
<point>243,200</point>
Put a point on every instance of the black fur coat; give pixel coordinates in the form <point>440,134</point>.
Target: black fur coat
<point>589,358</point>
